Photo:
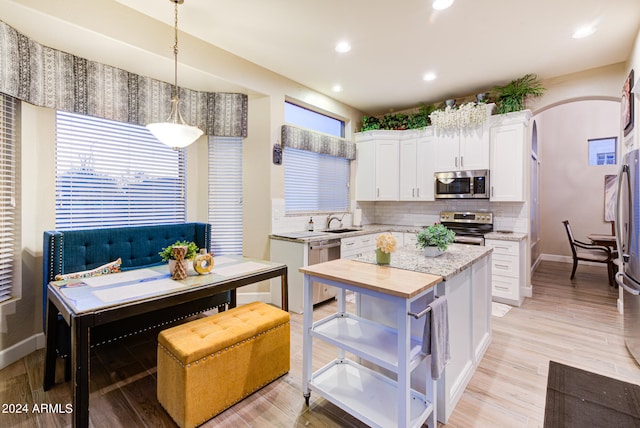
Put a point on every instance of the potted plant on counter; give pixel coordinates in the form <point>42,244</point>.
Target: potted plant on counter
<point>167,253</point>
<point>435,239</point>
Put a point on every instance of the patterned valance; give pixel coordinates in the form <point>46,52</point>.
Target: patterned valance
<point>305,139</point>
<point>51,78</point>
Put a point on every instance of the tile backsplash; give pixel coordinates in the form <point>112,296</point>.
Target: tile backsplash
<point>511,216</point>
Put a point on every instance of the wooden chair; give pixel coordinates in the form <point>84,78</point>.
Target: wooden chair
<point>591,253</point>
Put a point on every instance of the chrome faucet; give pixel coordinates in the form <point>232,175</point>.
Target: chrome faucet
<point>332,217</point>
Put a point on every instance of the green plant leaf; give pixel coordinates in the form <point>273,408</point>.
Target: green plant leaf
<point>167,252</point>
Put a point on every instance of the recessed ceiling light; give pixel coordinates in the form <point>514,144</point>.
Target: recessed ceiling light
<point>430,76</point>
<point>585,31</point>
<point>336,88</point>
<point>441,4</point>
<point>343,47</point>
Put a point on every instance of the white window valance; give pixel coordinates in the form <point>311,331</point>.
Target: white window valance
<point>51,78</point>
<point>312,141</point>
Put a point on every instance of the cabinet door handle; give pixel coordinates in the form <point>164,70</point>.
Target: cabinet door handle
<point>456,161</point>
<point>413,193</point>
<point>378,192</point>
<point>492,191</point>
<point>461,161</point>
<point>418,189</point>
<point>502,266</point>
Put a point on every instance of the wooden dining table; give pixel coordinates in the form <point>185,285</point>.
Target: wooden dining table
<point>603,239</point>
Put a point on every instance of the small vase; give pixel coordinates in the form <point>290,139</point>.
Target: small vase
<point>382,258</point>
<point>432,252</point>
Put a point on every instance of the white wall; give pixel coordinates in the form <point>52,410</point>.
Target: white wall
<point>570,188</point>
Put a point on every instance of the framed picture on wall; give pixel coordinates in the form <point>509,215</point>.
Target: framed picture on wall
<point>627,105</point>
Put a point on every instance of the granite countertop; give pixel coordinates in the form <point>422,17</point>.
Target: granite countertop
<point>457,258</point>
<point>320,235</point>
<point>506,236</point>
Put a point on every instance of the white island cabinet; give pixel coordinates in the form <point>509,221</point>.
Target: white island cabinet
<point>466,273</point>
<point>369,395</point>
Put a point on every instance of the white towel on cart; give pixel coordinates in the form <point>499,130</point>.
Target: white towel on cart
<point>435,340</point>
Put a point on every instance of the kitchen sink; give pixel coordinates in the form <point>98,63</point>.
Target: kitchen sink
<point>345,230</point>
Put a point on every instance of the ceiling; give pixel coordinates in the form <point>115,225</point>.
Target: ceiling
<point>472,46</point>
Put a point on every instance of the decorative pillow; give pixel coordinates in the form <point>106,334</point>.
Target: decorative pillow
<point>113,267</point>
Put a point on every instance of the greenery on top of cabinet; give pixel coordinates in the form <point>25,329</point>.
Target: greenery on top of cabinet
<point>512,97</point>
<point>508,98</point>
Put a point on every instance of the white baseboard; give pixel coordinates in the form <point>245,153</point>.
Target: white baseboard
<point>21,349</point>
<point>566,259</point>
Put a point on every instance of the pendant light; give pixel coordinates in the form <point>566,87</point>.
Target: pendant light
<point>175,132</point>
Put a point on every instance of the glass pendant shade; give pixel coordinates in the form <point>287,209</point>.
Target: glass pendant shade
<point>175,132</point>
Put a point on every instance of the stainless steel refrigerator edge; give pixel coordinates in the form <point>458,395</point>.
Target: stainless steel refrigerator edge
<point>628,242</point>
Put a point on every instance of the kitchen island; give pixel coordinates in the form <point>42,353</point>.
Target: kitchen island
<point>463,275</point>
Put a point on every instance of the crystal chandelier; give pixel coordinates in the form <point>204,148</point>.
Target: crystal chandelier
<point>175,132</point>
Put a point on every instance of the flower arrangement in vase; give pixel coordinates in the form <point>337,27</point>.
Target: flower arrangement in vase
<point>385,245</point>
<point>435,239</point>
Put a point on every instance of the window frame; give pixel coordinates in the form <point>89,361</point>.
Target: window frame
<point>9,190</point>
<point>315,163</point>
<point>138,180</point>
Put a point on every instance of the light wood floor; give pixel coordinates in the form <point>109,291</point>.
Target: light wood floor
<point>573,324</point>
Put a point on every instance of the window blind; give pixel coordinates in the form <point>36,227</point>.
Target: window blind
<point>315,182</point>
<point>7,194</point>
<point>112,174</point>
<point>225,194</point>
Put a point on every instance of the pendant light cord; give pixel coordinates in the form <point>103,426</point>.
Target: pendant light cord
<point>175,52</point>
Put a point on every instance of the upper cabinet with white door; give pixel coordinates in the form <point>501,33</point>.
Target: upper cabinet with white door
<point>377,157</point>
<point>463,149</point>
<point>417,165</point>
<point>509,156</point>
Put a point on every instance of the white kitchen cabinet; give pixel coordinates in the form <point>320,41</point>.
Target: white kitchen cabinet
<point>468,296</point>
<point>377,174</point>
<point>509,157</point>
<point>417,167</point>
<point>507,270</point>
<point>355,246</point>
<point>463,150</point>
<point>350,383</point>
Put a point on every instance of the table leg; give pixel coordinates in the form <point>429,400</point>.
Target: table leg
<point>307,340</point>
<point>404,374</point>
<point>50,350</point>
<point>80,349</point>
<point>284,289</point>
<point>234,299</point>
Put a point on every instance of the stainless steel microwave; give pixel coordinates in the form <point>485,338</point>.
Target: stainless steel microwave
<point>472,184</point>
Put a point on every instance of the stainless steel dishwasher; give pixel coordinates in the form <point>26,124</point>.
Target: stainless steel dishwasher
<point>320,252</point>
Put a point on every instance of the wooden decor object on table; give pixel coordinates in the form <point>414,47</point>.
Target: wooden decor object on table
<point>180,272</point>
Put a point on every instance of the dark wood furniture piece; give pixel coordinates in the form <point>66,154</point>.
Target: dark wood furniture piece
<point>82,310</point>
<point>75,250</point>
<point>603,240</point>
<point>591,253</point>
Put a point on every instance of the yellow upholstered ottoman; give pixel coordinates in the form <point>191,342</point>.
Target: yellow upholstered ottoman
<point>207,365</point>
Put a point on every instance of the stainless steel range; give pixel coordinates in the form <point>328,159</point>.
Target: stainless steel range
<point>470,227</point>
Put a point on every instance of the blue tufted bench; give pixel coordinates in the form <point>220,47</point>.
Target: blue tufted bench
<point>138,247</point>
